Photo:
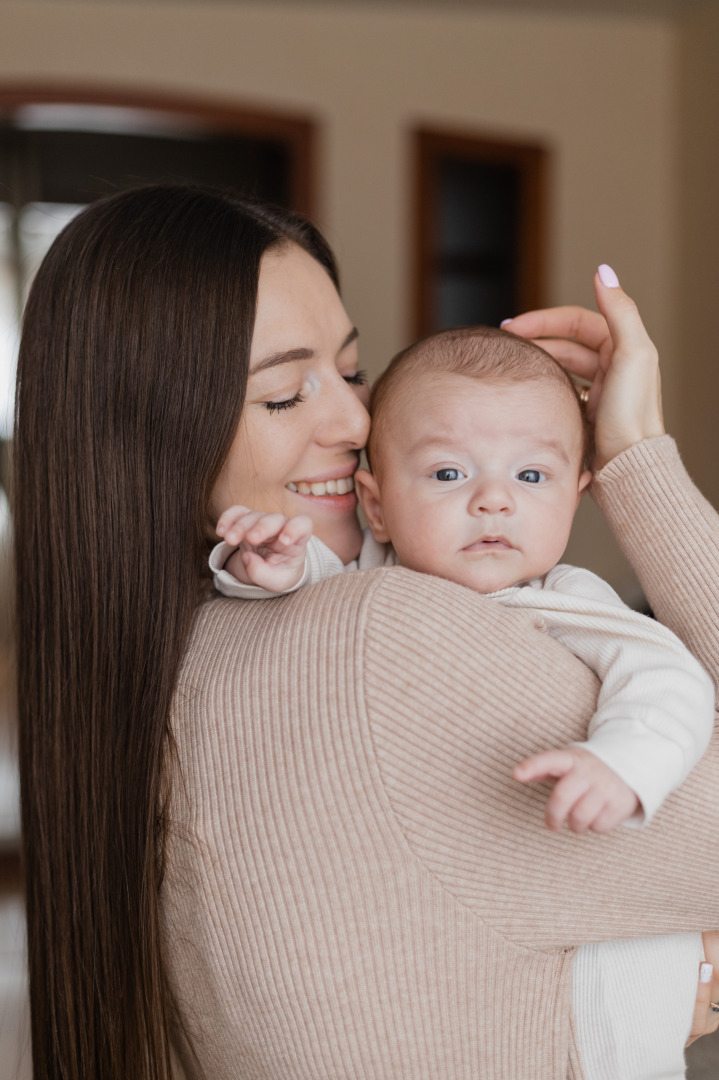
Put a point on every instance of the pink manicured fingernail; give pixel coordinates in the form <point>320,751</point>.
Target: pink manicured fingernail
<point>504,322</point>
<point>608,277</point>
<point>706,973</point>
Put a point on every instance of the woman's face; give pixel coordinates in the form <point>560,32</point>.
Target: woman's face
<point>305,417</point>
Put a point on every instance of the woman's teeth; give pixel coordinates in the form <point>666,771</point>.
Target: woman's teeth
<point>329,487</point>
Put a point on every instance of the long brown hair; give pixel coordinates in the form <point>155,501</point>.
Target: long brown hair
<point>131,380</point>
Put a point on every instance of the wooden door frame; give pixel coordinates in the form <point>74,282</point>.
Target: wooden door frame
<point>297,132</point>
<point>531,160</point>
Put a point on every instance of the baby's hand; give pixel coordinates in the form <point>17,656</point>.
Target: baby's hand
<point>588,794</point>
<point>271,547</point>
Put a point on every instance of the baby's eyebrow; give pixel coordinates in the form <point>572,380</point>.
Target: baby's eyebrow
<point>554,444</point>
<point>449,440</point>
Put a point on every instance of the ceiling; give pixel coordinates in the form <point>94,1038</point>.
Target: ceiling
<point>658,8</point>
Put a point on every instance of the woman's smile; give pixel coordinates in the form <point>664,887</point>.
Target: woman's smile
<point>304,351</point>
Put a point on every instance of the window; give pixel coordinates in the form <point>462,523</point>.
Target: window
<point>58,155</point>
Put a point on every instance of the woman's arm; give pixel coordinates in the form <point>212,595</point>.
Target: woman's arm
<point>669,532</point>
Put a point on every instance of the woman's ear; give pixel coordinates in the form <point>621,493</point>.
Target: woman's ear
<point>368,494</point>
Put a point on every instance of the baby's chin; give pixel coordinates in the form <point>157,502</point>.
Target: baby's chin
<point>487,578</point>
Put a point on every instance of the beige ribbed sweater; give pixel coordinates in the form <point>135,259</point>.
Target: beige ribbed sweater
<point>356,888</point>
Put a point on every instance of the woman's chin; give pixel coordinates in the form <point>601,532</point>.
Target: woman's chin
<point>344,537</point>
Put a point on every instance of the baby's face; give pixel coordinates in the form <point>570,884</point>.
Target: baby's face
<point>480,481</point>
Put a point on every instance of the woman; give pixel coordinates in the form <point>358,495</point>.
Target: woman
<point>284,837</point>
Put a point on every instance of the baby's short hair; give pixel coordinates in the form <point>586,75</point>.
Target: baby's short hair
<point>479,352</point>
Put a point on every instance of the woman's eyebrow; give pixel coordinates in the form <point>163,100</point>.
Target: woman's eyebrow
<point>289,355</point>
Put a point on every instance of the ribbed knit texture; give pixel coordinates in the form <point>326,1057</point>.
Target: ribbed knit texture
<point>356,888</point>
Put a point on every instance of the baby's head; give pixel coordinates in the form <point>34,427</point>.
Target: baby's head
<point>477,453</point>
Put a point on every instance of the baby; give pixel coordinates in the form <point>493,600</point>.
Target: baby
<point>477,453</point>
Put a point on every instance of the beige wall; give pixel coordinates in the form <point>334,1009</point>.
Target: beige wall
<point>698,167</point>
<point>600,92</point>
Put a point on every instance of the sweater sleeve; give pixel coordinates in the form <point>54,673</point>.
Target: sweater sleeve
<point>670,534</point>
<point>458,690</point>
<point>655,709</point>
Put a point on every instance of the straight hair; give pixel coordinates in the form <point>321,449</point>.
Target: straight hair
<point>131,381</point>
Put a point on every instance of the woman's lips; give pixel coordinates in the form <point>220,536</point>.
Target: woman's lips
<point>341,486</point>
<point>336,494</point>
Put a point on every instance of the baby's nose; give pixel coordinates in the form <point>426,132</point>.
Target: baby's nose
<point>492,497</point>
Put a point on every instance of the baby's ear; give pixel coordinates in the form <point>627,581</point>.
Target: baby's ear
<point>368,494</point>
<point>584,480</point>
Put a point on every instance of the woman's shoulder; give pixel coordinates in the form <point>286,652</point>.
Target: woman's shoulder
<point>389,610</point>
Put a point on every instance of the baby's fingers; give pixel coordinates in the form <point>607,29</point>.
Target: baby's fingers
<point>229,518</point>
<point>564,802</point>
<point>298,530</point>
<point>550,765</point>
<point>587,811</point>
<point>267,527</point>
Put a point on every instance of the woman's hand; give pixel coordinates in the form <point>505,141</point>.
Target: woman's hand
<point>614,353</point>
<point>706,1020</point>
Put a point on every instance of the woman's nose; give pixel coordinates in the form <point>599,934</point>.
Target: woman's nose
<point>347,418</point>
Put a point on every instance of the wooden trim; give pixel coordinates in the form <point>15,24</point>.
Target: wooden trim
<point>297,132</point>
<point>11,871</point>
<point>531,160</point>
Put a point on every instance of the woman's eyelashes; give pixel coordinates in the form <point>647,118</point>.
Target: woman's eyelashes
<point>280,406</point>
<point>358,379</point>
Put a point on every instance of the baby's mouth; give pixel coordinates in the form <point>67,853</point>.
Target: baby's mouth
<point>490,543</point>
<point>342,486</point>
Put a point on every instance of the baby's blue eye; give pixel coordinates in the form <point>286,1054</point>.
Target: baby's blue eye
<point>530,476</point>
<point>448,474</point>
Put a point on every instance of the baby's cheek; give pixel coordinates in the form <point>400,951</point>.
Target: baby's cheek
<point>416,546</point>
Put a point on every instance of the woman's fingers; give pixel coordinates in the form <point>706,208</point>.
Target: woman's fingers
<point>577,359</point>
<point>626,328</point>
<point>702,1009</point>
<point>577,323</point>
<point>705,1020</point>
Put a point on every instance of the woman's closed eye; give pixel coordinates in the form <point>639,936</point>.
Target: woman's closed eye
<point>448,475</point>
<point>531,476</point>
<point>358,379</point>
<point>280,406</point>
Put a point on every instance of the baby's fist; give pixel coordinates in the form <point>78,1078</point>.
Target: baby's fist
<point>588,795</point>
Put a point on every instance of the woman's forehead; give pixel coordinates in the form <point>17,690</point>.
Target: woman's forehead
<point>298,306</point>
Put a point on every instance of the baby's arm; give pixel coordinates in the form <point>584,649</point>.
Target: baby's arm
<point>319,563</point>
<point>654,716</point>
<point>270,549</point>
